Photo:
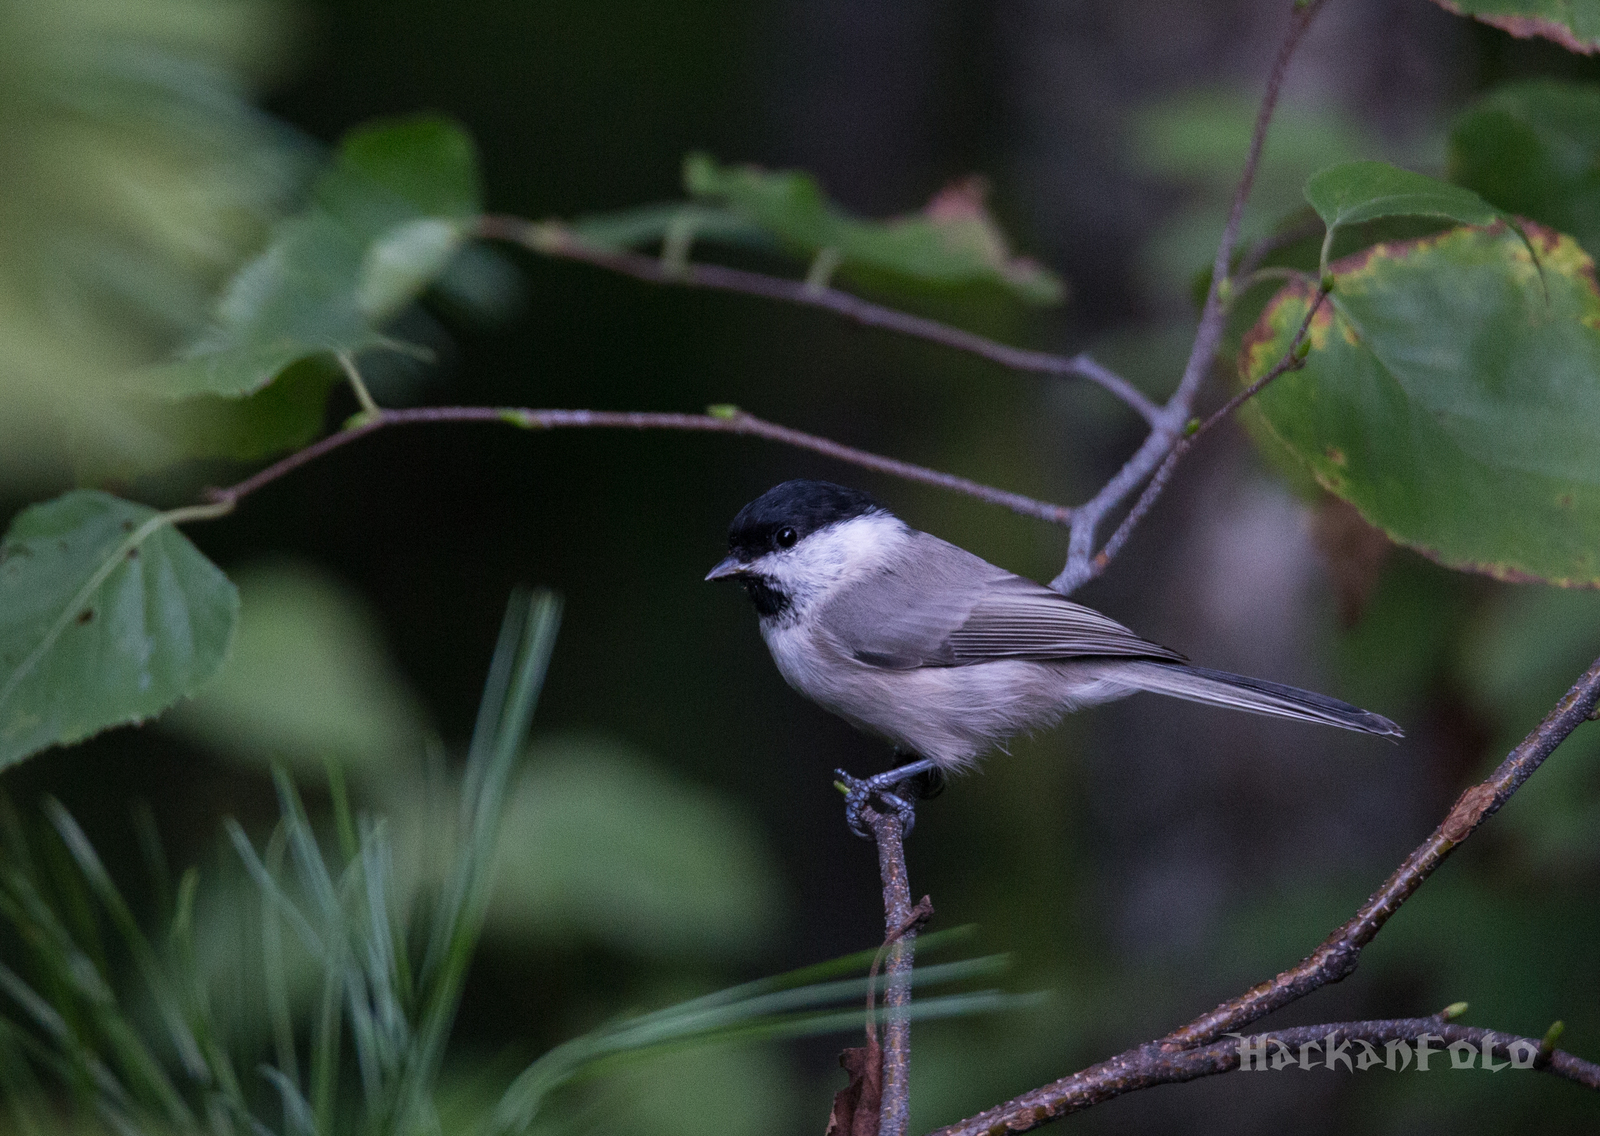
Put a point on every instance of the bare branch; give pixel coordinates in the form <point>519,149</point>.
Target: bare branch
<point>726,421</point>
<point>550,238</point>
<point>1292,360</point>
<point>901,923</point>
<point>1195,1051</point>
<point>1149,1064</point>
<point>1082,563</point>
<point>1339,953</point>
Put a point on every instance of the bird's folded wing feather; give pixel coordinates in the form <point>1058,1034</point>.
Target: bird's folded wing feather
<point>942,606</point>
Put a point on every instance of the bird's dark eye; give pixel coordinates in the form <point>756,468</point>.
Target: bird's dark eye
<point>787,537</point>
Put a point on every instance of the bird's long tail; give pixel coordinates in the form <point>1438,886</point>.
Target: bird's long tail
<point>1238,692</point>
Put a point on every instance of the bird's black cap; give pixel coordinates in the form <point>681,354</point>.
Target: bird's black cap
<point>804,506</point>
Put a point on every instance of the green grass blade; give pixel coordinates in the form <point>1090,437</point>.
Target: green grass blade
<point>270,888</point>
<point>275,977</point>
<point>297,1115</point>
<point>516,675</point>
<point>144,956</point>
<point>768,1014</point>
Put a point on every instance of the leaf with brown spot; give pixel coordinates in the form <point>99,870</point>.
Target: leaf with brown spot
<point>1452,396</point>
<point>1574,25</point>
<point>92,638</point>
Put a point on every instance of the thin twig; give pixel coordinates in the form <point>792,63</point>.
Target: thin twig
<point>358,386</point>
<point>1292,360</point>
<point>1081,565</point>
<point>550,238</point>
<point>901,921</point>
<point>1149,1064</point>
<point>1195,1051</point>
<point>726,421</point>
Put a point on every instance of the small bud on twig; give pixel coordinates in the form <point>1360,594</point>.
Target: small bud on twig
<point>1547,1047</point>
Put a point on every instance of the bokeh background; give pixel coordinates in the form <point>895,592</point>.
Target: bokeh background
<point>677,831</point>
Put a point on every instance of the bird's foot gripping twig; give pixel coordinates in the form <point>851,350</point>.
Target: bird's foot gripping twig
<point>861,793</point>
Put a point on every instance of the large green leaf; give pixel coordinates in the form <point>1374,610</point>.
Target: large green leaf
<point>601,842</point>
<point>309,679</point>
<point>385,221</point>
<point>1574,24</point>
<point>1533,149</point>
<point>1453,397</point>
<point>951,242</point>
<point>1355,192</point>
<point>107,615</point>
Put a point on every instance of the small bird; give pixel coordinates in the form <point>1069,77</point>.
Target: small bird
<point>944,655</point>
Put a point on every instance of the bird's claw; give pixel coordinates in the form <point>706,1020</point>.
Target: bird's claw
<point>861,794</point>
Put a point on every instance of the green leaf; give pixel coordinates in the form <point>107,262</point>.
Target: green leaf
<point>1453,397</point>
<point>1574,24</point>
<point>384,223</point>
<point>953,241</point>
<point>425,166</point>
<point>1353,192</point>
<point>108,615</point>
<point>1534,150</point>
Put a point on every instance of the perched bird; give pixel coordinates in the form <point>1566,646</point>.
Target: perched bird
<point>941,653</point>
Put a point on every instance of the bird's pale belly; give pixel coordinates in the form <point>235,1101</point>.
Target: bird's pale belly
<point>949,714</point>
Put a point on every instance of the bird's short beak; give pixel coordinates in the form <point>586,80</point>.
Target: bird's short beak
<point>727,569</point>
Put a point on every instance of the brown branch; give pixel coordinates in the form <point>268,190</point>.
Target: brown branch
<point>729,421</point>
<point>1083,564</point>
<point>1194,1050</point>
<point>550,238</point>
<point>1149,1064</point>
<point>901,921</point>
<point>1338,954</point>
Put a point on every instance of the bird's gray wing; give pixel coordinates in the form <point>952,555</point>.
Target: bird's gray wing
<point>938,605</point>
<point>1024,620</point>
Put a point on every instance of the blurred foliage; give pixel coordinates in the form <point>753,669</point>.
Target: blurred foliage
<point>385,220</point>
<point>952,241</point>
<point>608,847</point>
<point>1533,148</point>
<point>179,1070</point>
<point>1200,140</point>
<point>309,680</point>
<point>137,177</point>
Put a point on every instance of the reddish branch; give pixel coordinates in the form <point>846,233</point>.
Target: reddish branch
<point>551,238</point>
<point>1195,1051</point>
<point>1083,564</point>
<point>1151,465</point>
<point>1292,360</point>
<point>1148,1065</point>
<point>729,422</point>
